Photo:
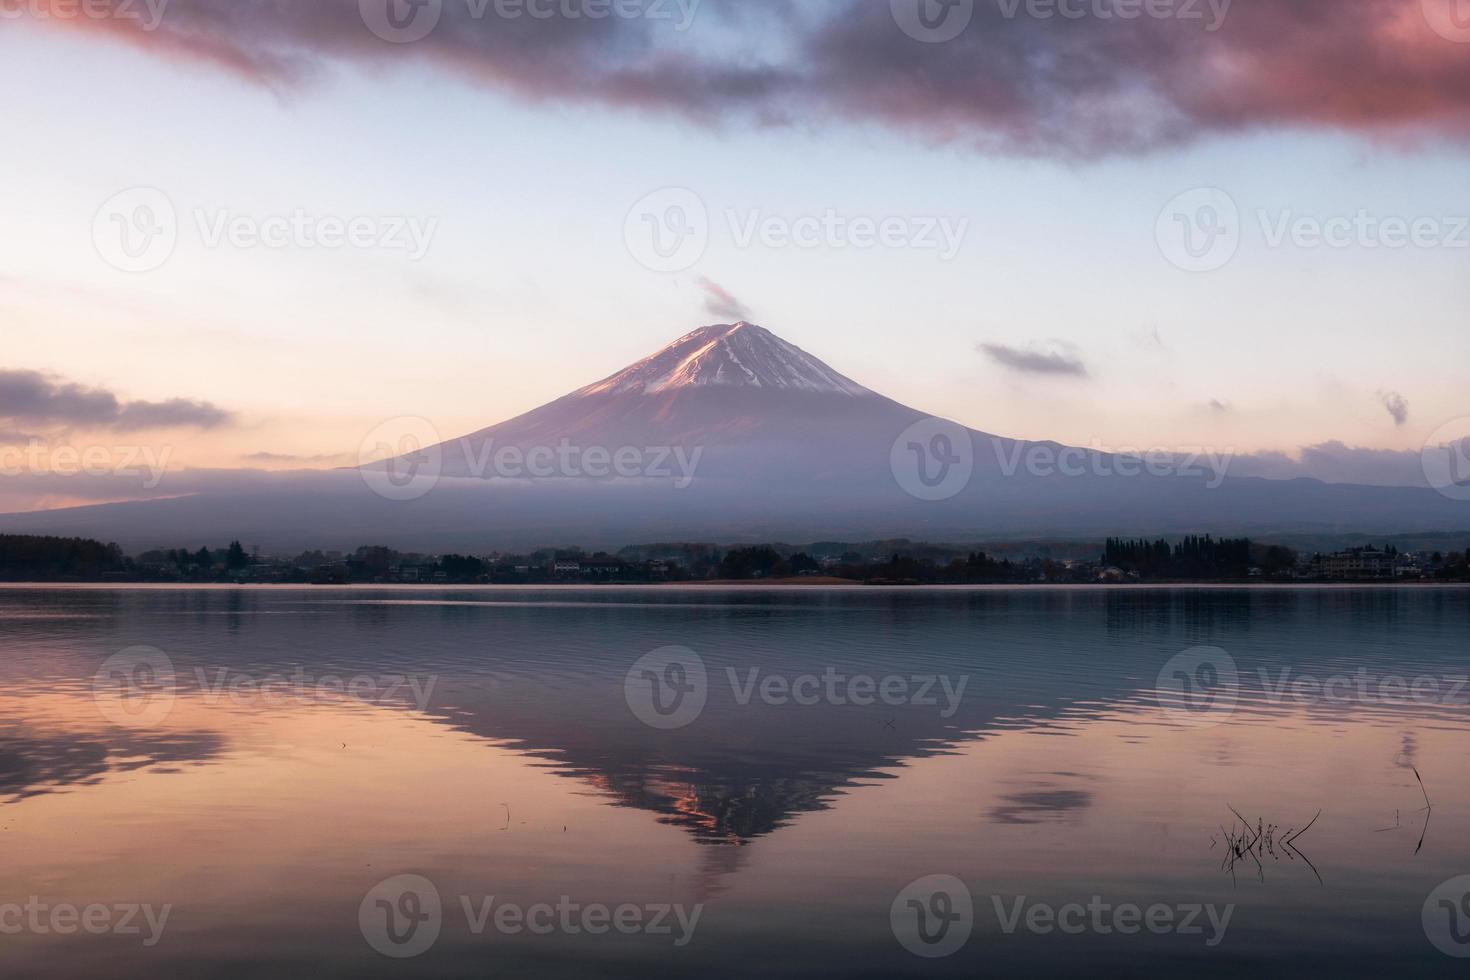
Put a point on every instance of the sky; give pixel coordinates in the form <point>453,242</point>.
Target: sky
<point>1097,229</point>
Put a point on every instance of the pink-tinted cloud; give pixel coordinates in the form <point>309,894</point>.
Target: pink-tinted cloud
<point>1010,82</point>
<point>720,302</point>
<point>1335,462</point>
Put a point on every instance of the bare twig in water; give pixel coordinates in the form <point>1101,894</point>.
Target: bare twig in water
<point>1396,825</point>
<point>1304,829</point>
<point>1427,809</point>
<point>1263,839</point>
<point>1427,804</point>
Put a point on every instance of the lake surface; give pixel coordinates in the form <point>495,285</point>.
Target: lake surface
<point>710,783</point>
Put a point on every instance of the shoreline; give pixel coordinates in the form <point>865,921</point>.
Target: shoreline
<point>727,586</point>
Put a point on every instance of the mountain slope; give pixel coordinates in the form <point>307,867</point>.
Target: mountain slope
<point>778,446</point>
<point>742,396</point>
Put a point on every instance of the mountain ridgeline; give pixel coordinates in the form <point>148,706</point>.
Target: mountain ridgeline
<point>732,433</point>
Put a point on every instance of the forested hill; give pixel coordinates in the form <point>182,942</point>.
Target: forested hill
<point>37,559</point>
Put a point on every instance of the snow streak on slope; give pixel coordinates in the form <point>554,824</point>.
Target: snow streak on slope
<point>728,355</point>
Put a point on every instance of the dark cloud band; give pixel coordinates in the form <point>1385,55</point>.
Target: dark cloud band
<point>1035,362</point>
<point>30,398</point>
<point>1066,79</point>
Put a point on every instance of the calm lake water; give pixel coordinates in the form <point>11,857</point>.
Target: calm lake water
<point>709,783</point>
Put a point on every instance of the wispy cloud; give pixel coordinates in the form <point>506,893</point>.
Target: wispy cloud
<point>289,459</point>
<point>1009,82</point>
<point>1150,339</point>
<point>1035,361</point>
<point>719,302</point>
<point>1336,462</point>
<point>1397,406</point>
<point>30,398</point>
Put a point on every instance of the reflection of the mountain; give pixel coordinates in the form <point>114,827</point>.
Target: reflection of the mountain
<point>549,680</point>
<point>544,672</point>
<point>31,764</point>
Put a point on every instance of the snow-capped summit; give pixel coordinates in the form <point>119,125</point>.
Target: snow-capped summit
<point>728,355</point>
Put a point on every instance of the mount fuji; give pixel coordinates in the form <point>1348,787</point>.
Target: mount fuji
<point>749,403</point>
<point>730,434</point>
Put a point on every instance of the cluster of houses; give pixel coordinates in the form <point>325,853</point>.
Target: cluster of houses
<point>385,567</point>
<point>1353,565</point>
<point>1371,564</point>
